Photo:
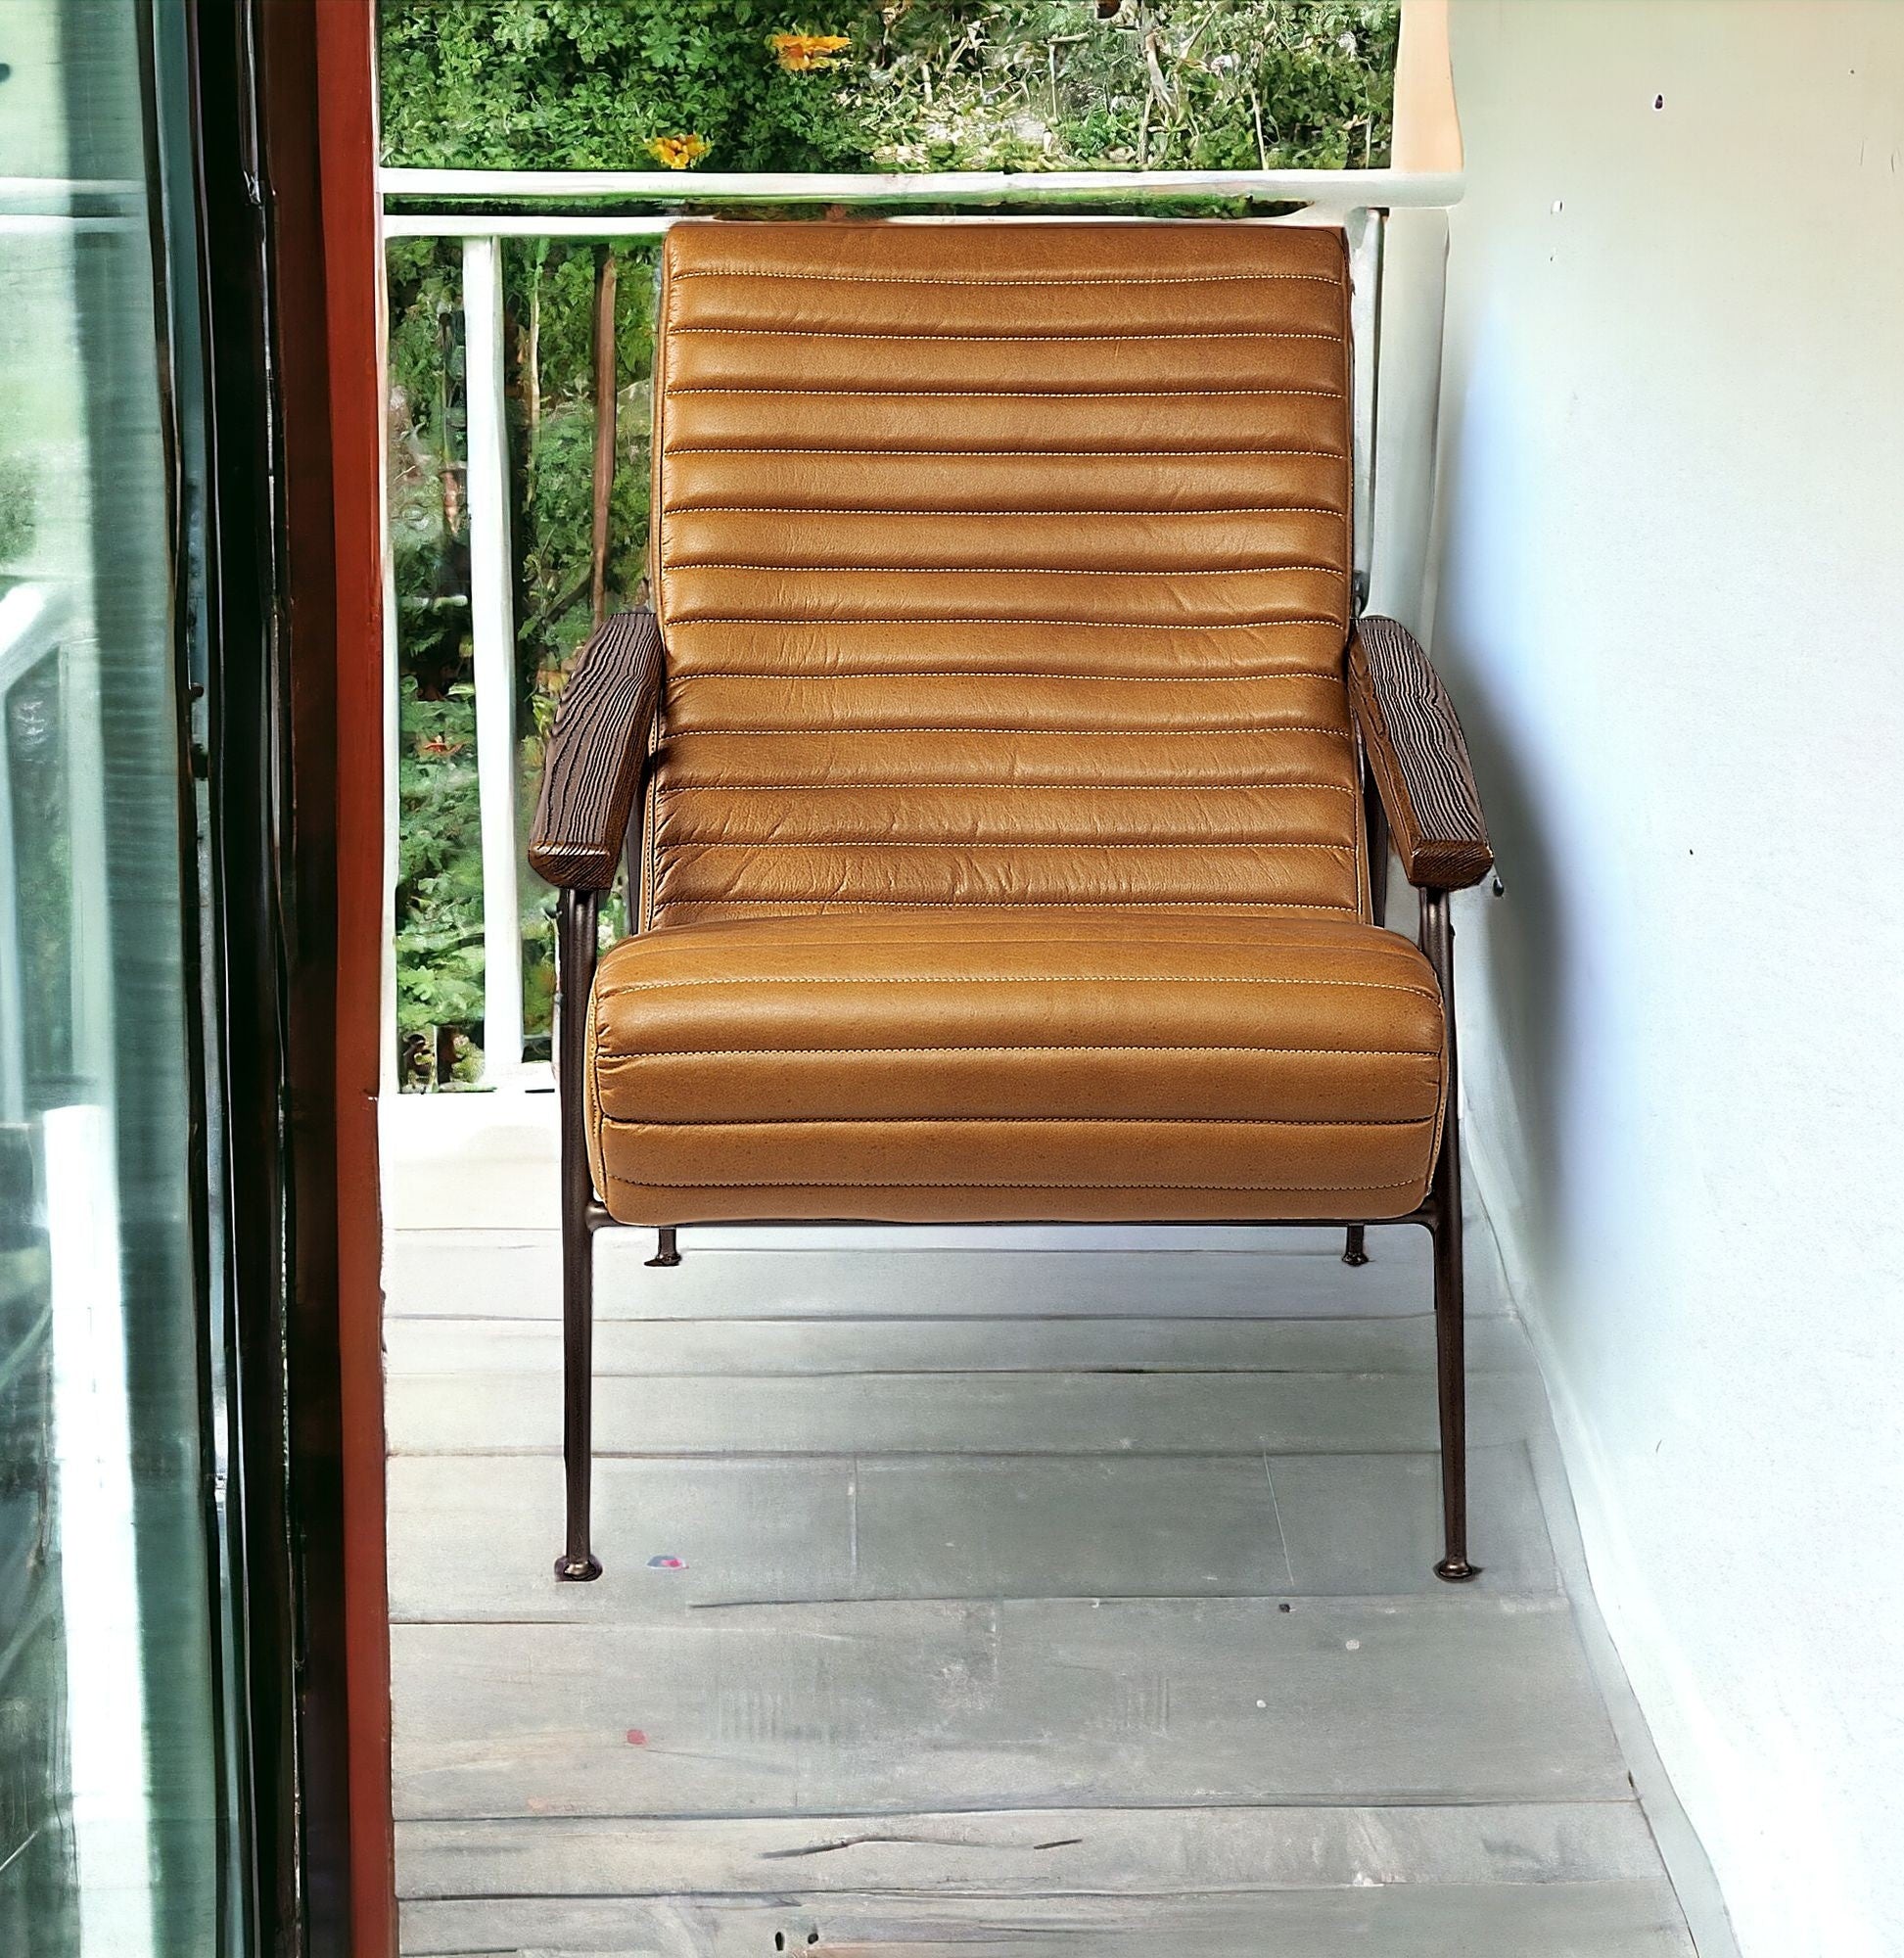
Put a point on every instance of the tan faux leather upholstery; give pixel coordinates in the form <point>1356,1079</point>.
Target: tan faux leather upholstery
<point>1004,841</point>
<point>1003,564</point>
<point>997,1064</point>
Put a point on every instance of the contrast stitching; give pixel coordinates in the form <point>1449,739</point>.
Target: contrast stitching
<point>861,510</point>
<point>593,1111</point>
<point>907,727</point>
<point>1136,1046</point>
<point>1086,454</point>
<point>937,279</point>
<point>919,620</point>
<point>1021,394</point>
<point>1011,978</point>
<point>998,339</point>
<point>1000,570</point>
<point>1073,788</point>
<point>988,673</point>
<point>963,843</point>
<point>1027,903</point>
<point>1017,1183</point>
<point>629,1122</point>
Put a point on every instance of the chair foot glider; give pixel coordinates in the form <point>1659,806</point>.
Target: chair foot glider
<point>1006,784</point>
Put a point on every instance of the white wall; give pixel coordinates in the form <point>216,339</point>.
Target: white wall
<point>1671,606</point>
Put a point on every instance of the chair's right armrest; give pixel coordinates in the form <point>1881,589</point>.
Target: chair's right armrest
<point>1418,759</point>
<point>596,754</point>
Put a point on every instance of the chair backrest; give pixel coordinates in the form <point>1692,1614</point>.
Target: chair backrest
<point>1003,564</point>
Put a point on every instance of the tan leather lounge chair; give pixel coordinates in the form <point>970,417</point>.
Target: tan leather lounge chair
<point>1005,780</point>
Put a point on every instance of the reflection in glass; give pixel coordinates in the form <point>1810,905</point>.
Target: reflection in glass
<point>111,1829</point>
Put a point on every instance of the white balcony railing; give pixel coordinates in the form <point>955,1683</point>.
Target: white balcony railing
<point>1396,316</point>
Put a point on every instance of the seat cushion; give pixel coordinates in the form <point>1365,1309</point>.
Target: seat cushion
<point>987,1065</point>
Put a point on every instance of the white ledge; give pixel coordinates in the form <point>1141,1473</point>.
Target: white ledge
<point>1345,190</point>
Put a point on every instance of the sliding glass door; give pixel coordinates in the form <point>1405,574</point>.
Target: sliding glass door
<point>116,1724</point>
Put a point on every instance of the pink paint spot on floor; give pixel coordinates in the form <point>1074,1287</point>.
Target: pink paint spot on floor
<point>667,1563</point>
<point>636,1737</point>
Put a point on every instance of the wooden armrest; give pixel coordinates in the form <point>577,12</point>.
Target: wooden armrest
<point>1419,760</point>
<point>596,754</point>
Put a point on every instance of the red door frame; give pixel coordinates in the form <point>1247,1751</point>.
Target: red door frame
<point>346,49</point>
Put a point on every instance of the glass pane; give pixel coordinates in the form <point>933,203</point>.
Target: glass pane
<point>112,1826</point>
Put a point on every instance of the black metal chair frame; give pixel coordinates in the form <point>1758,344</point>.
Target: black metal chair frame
<point>1424,782</point>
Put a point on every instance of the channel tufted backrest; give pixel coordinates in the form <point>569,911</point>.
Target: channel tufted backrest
<point>1002,564</point>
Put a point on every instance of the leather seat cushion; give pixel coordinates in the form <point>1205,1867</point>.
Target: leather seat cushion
<point>986,1065</point>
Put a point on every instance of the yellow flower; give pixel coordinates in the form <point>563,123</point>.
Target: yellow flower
<point>802,53</point>
<point>678,152</point>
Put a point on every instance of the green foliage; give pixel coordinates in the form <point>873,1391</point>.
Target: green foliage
<point>19,517</point>
<point>549,294</point>
<point>440,868</point>
<point>924,84</point>
<point>1173,84</point>
<point>580,84</point>
<point>549,290</point>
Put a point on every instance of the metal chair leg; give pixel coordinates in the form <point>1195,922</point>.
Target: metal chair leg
<point>1451,1381</point>
<point>1451,1365</point>
<point>1376,826</point>
<point>575,972</point>
<point>666,1251</point>
<point>1355,1252</point>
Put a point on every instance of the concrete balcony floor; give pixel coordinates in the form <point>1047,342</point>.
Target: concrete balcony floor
<point>986,1596</point>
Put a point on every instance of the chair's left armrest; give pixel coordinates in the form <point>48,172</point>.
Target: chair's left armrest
<point>596,754</point>
<point>1419,760</point>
